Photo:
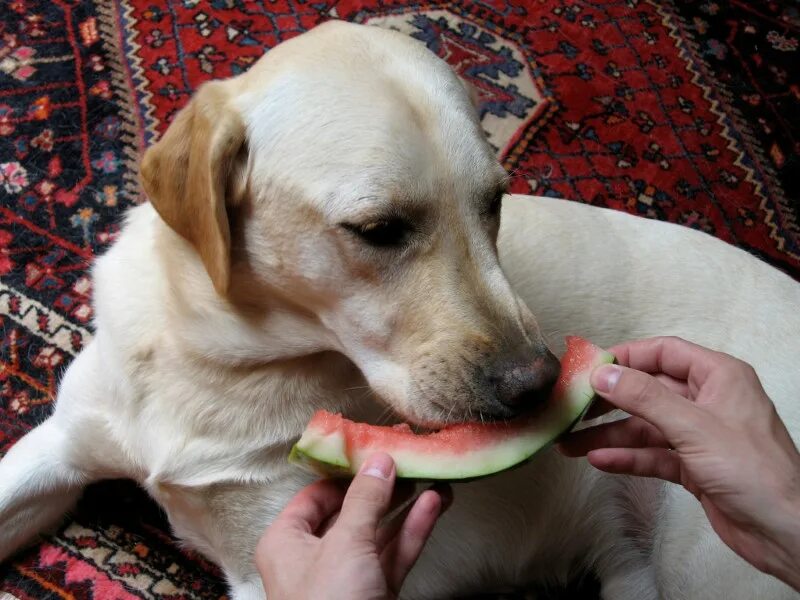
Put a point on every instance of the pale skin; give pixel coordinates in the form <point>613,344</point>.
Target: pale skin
<point>701,419</point>
<point>330,544</point>
<point>698,418</point>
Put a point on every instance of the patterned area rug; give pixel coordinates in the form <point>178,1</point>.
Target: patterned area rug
<point>685,111</point>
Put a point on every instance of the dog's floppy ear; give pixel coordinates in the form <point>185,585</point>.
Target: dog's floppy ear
<point>187,176</point>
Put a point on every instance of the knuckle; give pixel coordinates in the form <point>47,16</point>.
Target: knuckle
<point>265,545</point>
<point>344,534</point>
<point>671,342</point>
<point>644,389</point>
<point>748,371</point>
<point>642,434</point>
<point>367,493</point>
<point>663,470</point>
<point>735,368</point>
<point>413,536</point>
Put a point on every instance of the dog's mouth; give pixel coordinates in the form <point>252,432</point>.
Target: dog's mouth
<point>392,416</point>
<point>426,427</point>
<point>430,415</point>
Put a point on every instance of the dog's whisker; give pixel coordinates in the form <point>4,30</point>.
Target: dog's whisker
<point>366,394</point>
<point>449,414</point>
<point>389,413</point>
<point>549,336</point>
<point>356,387</point>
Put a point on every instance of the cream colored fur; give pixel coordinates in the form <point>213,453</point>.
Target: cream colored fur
<point>214,346</point>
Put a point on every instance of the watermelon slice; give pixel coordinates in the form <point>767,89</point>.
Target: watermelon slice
<point>333,445</point>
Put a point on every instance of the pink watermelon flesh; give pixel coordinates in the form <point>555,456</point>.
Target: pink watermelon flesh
<point>333,445</point>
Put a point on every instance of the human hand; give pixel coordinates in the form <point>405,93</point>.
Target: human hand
<point>315,550</point>
<point>702,419</point>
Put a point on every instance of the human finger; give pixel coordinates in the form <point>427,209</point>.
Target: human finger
<point>674,385</point>
<point>598,408</point>
<point>631,432</point>
<point>392,524</point>
<point>402,495</point>
<point>310,508</point>
<point>369,495</point>
<point>403,551</point>
<point>644,396</point>
<point>601,407</point>
<point>642,462</point>
<point>672,356</point>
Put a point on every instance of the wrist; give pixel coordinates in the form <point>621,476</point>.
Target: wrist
<point>786,538</point>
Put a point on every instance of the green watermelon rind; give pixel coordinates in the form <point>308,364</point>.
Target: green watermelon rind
<point>557,421</point>
<point>308,462</point>
<point>343,471</point>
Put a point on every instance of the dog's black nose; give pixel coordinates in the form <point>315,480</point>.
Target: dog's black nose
<point>520,386</point>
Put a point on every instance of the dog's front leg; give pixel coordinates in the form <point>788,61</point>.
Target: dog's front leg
<point>37,486</point>
<point>248,590</point>
<point>42,475</point>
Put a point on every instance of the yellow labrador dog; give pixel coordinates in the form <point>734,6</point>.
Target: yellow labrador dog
<point>323,233</point>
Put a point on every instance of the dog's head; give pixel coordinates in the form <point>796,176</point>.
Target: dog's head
<point>347,175</point>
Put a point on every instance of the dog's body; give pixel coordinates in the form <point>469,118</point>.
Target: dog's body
<point>199,379</point>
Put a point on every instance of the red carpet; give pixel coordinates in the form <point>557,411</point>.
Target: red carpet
<point>685,111</point>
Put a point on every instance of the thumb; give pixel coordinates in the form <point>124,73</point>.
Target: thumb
<point>369,496</point>
<point>643,395</point>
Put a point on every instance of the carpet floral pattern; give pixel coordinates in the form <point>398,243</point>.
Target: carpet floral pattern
<point>680,110</point>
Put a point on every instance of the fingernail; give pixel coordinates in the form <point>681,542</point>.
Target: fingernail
<point>378,465</point>
<point>605,378</point>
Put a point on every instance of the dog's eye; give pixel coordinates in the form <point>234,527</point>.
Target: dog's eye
<point>384,234</point>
